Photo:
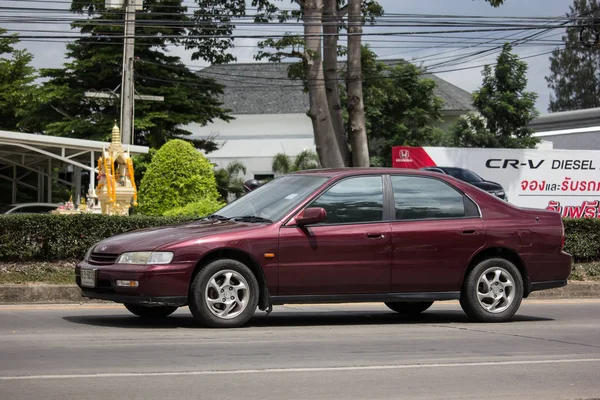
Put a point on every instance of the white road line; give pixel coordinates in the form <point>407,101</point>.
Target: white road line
<point>298,370</point>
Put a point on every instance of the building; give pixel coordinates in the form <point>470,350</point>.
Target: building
<point>31,165</point>
<point>270,114</point>
<point>570,130</point>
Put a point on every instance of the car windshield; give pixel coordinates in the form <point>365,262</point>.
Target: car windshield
<point>5,209</point>
<point>464,174</point>
<point>275,199</point>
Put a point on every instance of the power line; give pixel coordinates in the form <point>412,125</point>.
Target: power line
<point>222,77</point>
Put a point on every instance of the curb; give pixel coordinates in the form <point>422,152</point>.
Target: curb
<point>40,293</point>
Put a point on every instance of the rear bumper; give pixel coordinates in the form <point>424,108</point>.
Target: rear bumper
<point>537,286</point>
<point>177,301</point>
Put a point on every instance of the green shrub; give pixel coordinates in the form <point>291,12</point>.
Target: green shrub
<point>583,239</point>
<point>196,209</point>
<point>178,175</point>
<point>47,237</point>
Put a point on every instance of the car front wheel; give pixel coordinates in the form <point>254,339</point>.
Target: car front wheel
<point>224,294</point>
<point>492,291</point>
<point>150,311</point>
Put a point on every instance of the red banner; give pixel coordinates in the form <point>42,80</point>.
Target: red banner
<point>411,157</point>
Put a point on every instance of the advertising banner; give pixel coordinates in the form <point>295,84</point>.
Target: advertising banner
<point>567,181</point>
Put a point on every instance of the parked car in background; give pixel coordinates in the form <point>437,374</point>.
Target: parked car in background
<point>407,238</point>
<point>471,177</point>
<point>28,208</point>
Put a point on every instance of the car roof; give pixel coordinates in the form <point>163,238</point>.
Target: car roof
<point>442,167</point>
<point>32,204</point>
<point>348,171</point>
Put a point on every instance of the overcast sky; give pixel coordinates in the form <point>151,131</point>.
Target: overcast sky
<point>52,54</point>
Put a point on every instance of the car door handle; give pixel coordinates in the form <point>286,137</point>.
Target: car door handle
<point>375,235</point>
<point>468,232</point>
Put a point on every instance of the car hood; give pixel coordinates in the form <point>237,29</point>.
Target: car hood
<point>152,238</point>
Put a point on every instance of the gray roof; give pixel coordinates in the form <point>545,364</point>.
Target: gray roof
<point>264,88</point>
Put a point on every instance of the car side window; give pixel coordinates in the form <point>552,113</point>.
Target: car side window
<point>426,198</point>
<point>353,200</point>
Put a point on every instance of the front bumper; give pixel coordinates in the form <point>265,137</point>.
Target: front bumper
<point>157,284</point>
<point>177,301</point>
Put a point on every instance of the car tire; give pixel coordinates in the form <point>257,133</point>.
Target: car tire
<point>409,308</point>
<point>492,291</point>
<point>150,311</point>
<point>224,294</point>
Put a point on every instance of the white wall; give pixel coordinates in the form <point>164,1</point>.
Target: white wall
<point>255,139</point>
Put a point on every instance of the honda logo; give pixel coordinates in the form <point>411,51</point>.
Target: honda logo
<point>404,156</point>
<point>102,248</point>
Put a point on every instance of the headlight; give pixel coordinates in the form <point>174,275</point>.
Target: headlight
<point>145,257</point>
<point>87,254</point>
<point>499,193</point>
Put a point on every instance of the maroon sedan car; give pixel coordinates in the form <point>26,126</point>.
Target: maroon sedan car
<point>403,237</point>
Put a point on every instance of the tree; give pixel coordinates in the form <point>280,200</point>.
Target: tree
<point>505,106</point>
<point>16,83</point>
<point>324,100</point>
<point>401,107</point>
<point>318,68</point>
<point>95,63</point>
<point>229,181</point>
<point>357,131</point>
<point>575,69</point>
<point>306,159</point>
<point>177,176</point>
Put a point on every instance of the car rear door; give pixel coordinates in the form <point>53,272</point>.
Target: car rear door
<point>349,253</point>
<point>436,230</point>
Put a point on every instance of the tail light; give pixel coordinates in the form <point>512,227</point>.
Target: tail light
<point>562,238</point>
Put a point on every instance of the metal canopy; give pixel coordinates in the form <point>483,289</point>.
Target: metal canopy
<point>22,154</point>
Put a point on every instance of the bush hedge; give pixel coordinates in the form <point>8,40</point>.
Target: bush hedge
<point>178,175</point>
<point>67,237</point>
<point>48,237</point>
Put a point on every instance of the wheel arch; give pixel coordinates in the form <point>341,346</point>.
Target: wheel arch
<point>500,252</point>
<point>246,259</point>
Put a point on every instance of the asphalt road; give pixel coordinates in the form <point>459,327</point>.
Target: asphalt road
<point>550,351</point>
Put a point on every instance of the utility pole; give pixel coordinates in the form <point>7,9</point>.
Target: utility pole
<point>127,90</point>
<point>128,95</point>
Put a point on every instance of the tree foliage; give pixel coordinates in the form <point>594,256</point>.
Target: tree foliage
<point>16,84</point>
<point>177,176</point>
<point>505,106</point>
<point>575,69</point>
<point>315,69</point>
<point>305,160</point>
<point>229,181</point>
<point>319,68</point>
<point>95,64</point>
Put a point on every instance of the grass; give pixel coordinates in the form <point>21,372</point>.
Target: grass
<point>64,272</point>
<point>57,273</point>
<point>586,272</point>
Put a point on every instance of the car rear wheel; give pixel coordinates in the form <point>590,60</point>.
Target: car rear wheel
<point>150,311</point>
<point>409,308</point>
<point>492,291</point>
<point>224,294</point>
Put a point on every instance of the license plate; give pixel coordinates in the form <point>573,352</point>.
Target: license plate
<point>88,278</point>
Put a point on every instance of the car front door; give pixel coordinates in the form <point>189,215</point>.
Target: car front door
<point>348,253</point>
<point>436,229</point>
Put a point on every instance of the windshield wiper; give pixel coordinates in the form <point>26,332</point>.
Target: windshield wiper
<point>251,218</point>
<point>245,218</point>
<point>217,216</point>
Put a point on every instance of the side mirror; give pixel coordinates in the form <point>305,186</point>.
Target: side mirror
<point>310,216</point>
